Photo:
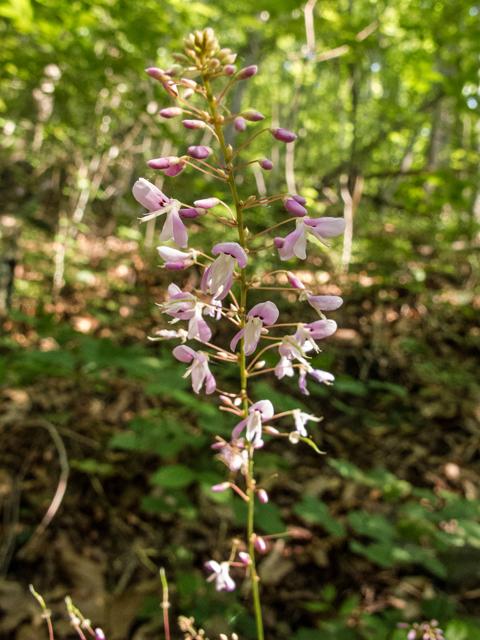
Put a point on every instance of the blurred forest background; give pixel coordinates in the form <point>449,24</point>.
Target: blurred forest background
<point>384,97</point>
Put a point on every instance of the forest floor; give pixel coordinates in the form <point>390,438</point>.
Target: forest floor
<point>79,369</point>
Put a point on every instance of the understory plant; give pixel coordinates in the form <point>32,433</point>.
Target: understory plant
<point>199,84</point>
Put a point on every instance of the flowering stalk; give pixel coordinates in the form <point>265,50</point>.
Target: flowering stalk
<point>227,268</point>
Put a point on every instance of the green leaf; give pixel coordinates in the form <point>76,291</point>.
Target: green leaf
<point>313,510</point>
<point>176,475</point>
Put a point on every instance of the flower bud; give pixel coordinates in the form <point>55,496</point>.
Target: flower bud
<point>99,635</point>
<point>282,135</point>
<point>271,430</point>
<point>253,116</point>
<point>260,365</point>
<point>263,496</point>
<point>171,89</point>
<point>261,544</point>
<point>222,636</point>
<point>266,164</point>
<point>189,214</point>
<point>206,203</point>
<point>194,124</point>
<point>237,402</point>
<point>223,486</point>
<point>198,38</point>
<point>223,53</point>
<point>244,557</point>
<point>175,169</point>
<point>247,72</point>
<point>159,164</point>
<point>171,112</point>
<point>191,84</point>
<point>174,71</point>
<point>229,69</point>
<point>294,208</point>
<point>199,153</point>
<point>279,242</point>
<point>299,199</point>
<point>180,57</point>
<point>178,265</point>
<point>214,63</point>
<point>294,282</point>
<point>229,59</point>
<point>188,93</point>
<point>240,124</point>
<point>156,73</point>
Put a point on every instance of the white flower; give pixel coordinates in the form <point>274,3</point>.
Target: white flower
<point>220,575</point>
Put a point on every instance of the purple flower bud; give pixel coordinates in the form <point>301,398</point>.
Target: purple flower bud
<point>229,69</point>
<point>253,116</point>
<point>159,164</point>
<point>223,486</point>
<point>244,557</point>
<point>171,89</point>
<point>282,135</point>
<point>194,124</point>
<point>155,72</point>
<point>175,169</point>
<point>247,72</point>
<point>294,281</point>
<point>188,93</point>
<point>189,214</point>
<point>178,265</point>
<point>199,153</point>
<point>263,496</point>
<point>261,544</point>
<point>229,60</point>
<point>206,203</point>
<point>402,625</point>
<point>412,634</point>
<point>240,124</point>
<point>271,430</point>
<point>265,164</point>
<point>171,112</point>
<point>99,635</point>
<point>279,242</point>
<point>294,208</point>
<point>299,199</point>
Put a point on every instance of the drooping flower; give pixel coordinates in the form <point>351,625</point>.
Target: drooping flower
<point>199,369</point>
<point>221,575</point>
<point>260,314</point>
<point>258,413</point>
<point>301,418</point>
<point>218,278</point>
<point>169,334</point>
<point>284,368</point>
<point>176,260</point>
<point>295,244</point>
<point>157,203</point>
<point>318,374</point>
<point>326,227</point>
<point>306,334</point>
<point>185,306</point>
<point>323,303</point>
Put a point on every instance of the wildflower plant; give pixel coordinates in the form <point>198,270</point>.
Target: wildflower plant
<point>227,280</point>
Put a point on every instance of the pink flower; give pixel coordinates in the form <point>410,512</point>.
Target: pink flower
<point>318,374</point>
<point>218,278</point>
<point>155,201</point>
<point>176,260</point>
<point>221,575</point>
<point>295,244</point>
<point>185,306</point>
<point>258,413</point>
<point>284,368</point>
<point>199,369</point>
<point>260,314</point>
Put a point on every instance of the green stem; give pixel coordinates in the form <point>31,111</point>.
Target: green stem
<point>228,157</point>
